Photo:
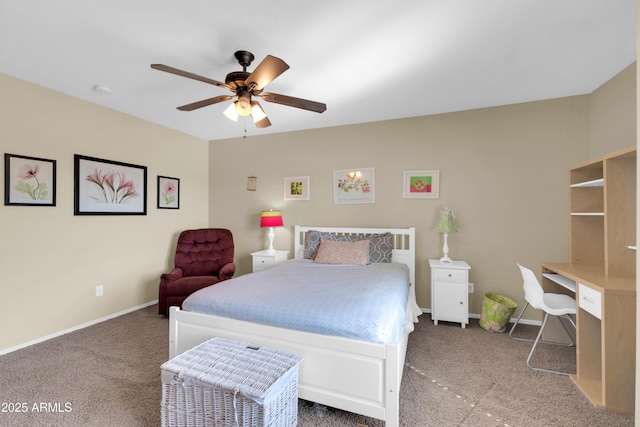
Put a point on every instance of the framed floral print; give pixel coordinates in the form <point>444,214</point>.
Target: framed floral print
<point>168,192</point>
<point>107,187</point>
<point>423,184</point>
<point>354,186</point>
<point>29,181</point>
<point>297,188</point>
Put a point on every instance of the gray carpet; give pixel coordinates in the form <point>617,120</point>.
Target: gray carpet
<point>108,375</point>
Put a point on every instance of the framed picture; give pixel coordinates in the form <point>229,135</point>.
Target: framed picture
<point>168,192</point>
<point>421,184</point>
<point>106,187</point>
<point>297,188</point>
<point>29,181</point>
<point>252,183</point>
<point>354,186</point>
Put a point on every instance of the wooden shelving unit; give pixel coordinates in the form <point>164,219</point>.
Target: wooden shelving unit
<point>603,265</point>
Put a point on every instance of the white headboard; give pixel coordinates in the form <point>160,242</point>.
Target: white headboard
<point>404,242</point>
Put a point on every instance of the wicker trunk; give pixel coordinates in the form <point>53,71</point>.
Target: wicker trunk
<point>224,382</point>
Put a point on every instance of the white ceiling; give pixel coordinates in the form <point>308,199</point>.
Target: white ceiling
<point>367,60</point>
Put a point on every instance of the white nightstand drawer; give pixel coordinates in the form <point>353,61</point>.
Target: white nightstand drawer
<point>263,261</point>
<point>590,300</point>
<point>449,275</point>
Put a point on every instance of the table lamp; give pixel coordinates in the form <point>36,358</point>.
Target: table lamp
<point>446,224</point>
<point>271,219</point>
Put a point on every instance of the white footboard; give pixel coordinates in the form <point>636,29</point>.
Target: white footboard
<point>355,376</point>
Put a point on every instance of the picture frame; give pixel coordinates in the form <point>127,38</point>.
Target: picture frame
<point>252,183</point>
<point>351,186</point>
<point>107,187</point>
<point>421,184</point>
<point>168,192</point>
<point>297,188</point>
<point>29,181</point>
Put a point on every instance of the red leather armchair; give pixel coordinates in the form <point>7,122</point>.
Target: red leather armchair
<point>203,257</point>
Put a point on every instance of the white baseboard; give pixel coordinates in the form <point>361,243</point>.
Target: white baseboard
<point>75,328</point>
<point>512,320</point>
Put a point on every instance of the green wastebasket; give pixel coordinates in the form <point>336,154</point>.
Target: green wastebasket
<point>496,312</point>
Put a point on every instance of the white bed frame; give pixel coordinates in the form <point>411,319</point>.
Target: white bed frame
<point>355,376</point>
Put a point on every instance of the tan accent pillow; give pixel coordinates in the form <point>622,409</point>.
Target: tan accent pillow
<point>336,252</point>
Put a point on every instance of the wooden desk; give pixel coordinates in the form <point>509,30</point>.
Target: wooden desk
<point>606,332</point>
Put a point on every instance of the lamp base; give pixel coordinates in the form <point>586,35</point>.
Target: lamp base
<point>271,236</point>
<point>445,248</point>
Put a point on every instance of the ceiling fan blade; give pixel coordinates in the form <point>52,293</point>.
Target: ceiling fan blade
<point>189,75</point>
<point>305,104</point>
<point>263,123</point>
<point>270,68</point>
<point>204,103</point>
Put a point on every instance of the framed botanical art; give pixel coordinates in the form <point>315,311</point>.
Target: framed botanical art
<point>168,192</point>
<point>106,187</point>
<point>354,186</point>
<point>424,184</point>
<point>297,188</point>
<point>29,181</point>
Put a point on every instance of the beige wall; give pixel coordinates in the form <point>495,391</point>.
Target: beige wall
<point>612,114</point>
<point>503,172</point>
<point>51,260</point>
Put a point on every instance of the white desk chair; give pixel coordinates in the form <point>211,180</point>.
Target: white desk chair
<point>560,305</point>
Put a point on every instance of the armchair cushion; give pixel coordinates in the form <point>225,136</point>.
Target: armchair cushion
<point>203,258</point>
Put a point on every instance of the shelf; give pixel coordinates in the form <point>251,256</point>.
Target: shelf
<point>561,280</point>
<point>587,213</point>
<point>592,183</point>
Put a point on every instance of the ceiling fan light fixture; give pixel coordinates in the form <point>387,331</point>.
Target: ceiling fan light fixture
<point>257,113</point>
<point>231,112</point>
<point>243,105</point>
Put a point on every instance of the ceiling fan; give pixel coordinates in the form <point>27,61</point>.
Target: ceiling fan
<point>246,86</point>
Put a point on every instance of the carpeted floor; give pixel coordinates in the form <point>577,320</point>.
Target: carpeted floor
<point>108,375</point>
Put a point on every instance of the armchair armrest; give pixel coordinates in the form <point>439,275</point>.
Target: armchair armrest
<point>227,271</point>
<point>171,276</point>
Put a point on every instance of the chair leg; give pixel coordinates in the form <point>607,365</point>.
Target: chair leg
<point>568,317</point>
<point>544,322</point>
<point>516,323</point>
<point>543,342</point>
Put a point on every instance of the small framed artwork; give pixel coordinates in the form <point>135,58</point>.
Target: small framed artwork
<point>106,187</point>
<point>421,184</point>
<point>252,183</point>
<point>29,181</point>
<point>168,192</point>
<point>354,186</point>
<point>297,188</point>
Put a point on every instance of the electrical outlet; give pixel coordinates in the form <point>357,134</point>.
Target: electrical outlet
<point>470,288</point>
<point>99,290</point>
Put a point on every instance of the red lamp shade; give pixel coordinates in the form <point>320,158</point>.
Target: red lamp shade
<point>271,219</point>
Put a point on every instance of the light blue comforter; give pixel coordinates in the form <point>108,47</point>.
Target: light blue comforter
<point>366,303</point>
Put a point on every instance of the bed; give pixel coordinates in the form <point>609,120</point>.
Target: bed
<point>351,374</point>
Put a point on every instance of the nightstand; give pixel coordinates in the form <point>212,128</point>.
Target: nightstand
<point>450,292</point>
<point>266,258</point>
